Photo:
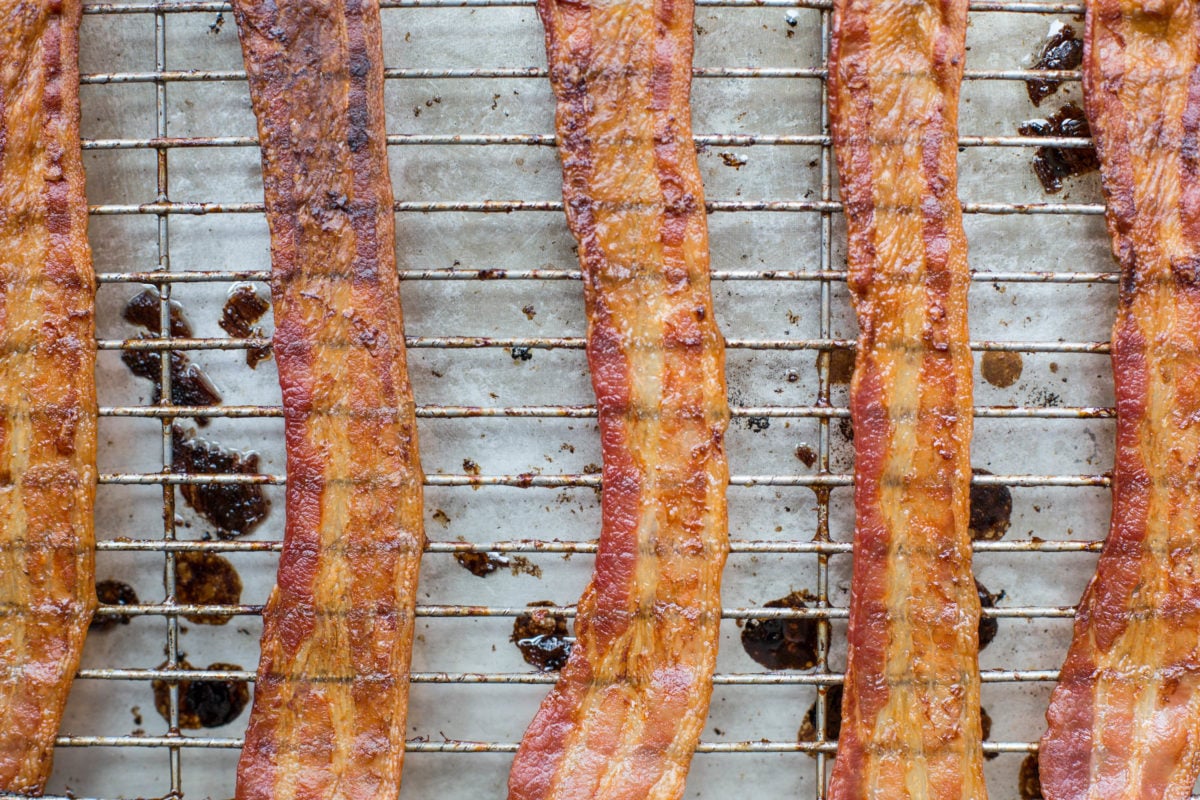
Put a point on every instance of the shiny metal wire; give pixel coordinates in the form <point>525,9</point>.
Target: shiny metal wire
<point>822,480</point>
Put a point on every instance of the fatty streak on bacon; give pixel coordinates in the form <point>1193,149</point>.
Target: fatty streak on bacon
<point>331,697</point>
<point>910,711</point>
<point>626,714</point>
<point>47,385</point>
<point>1124,715</point>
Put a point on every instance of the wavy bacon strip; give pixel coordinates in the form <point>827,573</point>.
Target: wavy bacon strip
<point>1125,714</point>
<point>910,710</point>
<point>47,385</point>
<point>332,691</point>
<point>628,709</point>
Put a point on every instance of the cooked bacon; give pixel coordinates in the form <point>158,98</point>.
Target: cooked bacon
<point>47,385</point>
<point>910,709</point>
<point>1124,715</point>
<point>627,711</point>
<point>332,691</point>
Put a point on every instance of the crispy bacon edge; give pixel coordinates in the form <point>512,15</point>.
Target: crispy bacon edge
<point>626,714</point>
<point>910,711</point>
<point>331,697</point>
<point>47,386</point>
<point>1123,716</point>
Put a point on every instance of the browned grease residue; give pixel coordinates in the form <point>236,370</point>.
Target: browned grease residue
<point>233,509</point>
<point>1062,50</point>
<point>1053,164</point>
<point>988,626</point>
<point>242,309</point>
<point>991,510</point>
<point>985,728</point>
<point>1029,781</point>
<point>833,719</point>
<point>806,454</point>
<point>203,704</point>
<point>484,564</point>
<point>189,385</point>
<point>783,643</point>
<point>1001,368</point>
<point>113,593</point>
<point>543,638</point>
<point>841,366</point>
<point>206,579</point>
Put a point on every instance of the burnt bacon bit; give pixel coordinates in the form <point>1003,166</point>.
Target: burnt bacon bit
<point>113,593</point>
<point>202,703</point>
<point>783,643</point>
<point>243,308</point>
<point>206,579</point>
<point>1062,50</point>
<point>991,510</point>
<point>1052,165</point>
<point>833,719</point>
<point>232,509</point>
<point>542,637</point>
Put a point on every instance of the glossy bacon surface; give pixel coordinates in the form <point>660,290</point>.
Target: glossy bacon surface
<point>47,385</point>
<point>627,711</point>
<point>330,703</point>
<point>1125,714</point>
<point>910,710</point>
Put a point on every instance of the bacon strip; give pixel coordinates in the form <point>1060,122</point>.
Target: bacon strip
<point>1125,713</point>
<point>627,711</point>
<point>910,709</point>
<point>47,385</point>
<point>332,692</point>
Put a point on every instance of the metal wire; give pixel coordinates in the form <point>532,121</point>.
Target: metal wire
<point>822,479</point>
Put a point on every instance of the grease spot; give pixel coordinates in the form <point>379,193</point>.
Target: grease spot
<point>1001,368</point>
<point>1053,164</point>
<point>833,719</point>
<point>991,510</point>
<point>1061,50</point>
<point>202,704</point>
<point>206,579</point>
<point>783,643</point>
<point>542,637</point>
<point>113,593</point>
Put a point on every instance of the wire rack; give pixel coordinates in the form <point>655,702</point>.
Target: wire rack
<point>826,274</point>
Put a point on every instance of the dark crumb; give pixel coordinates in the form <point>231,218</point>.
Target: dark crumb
<point>988,626</point>
<point>841,366</point>
<point>1053,164</point>
<point>215,26</point>
<point>592,469</point>
<point>143,311</point>
<point>242,309</point>
<point>470,467</point>
<point>758,424</point>
<point>206,579</point>
<point>806,455</point>
<point>1061,51</point>
<point>136,711</point>
<point>991,510</point>
<point>521,353</point>
<point>783,643</point>
<point>441,517</point>
<point>203,704</point>
<point>733,160</point>
<point>233,509</point>
<point>846,428</point>
<point>985,727</point>
<point>481,564</point>
<point>1001,368</point>
<point>484,564</point>
<point>113,593</point>
<point>529,312</point>
<point>833,719</point>
<point>542,637</point>
<point>1029,783</point>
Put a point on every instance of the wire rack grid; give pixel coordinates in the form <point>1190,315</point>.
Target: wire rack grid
<point>822,272</point>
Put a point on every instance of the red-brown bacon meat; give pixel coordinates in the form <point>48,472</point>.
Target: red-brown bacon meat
<point>1124,716</point>
<point>332,692</point>
<point>628,709</point>
<point>47,385</point>
<point>910,710</point>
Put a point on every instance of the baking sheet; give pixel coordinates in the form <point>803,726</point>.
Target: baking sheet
<point>747,242</point>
